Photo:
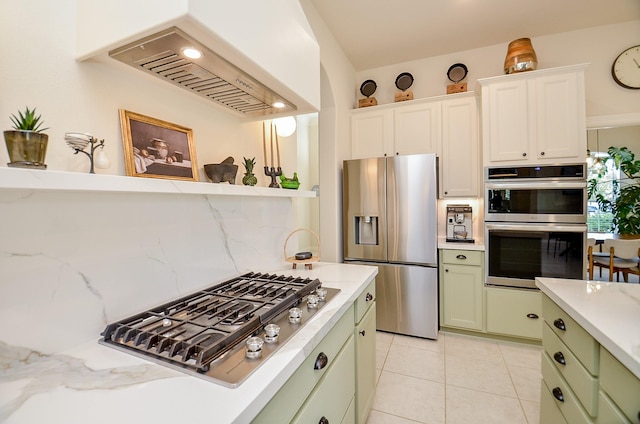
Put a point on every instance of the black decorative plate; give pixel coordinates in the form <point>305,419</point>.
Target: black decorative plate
<point>457,72</point>
<point>404,81</point>
<point>368,88</point>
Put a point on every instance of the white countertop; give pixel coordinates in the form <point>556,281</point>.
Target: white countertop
<point>477,244</point>
<point>97,384</point>
<point>610,312</point>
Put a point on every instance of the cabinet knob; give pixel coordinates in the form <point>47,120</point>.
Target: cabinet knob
<point>557,393</point>
<point>362,332</point>
<point>321,361</point>
<point>532,316</point>
<point>541,153</point>
<point>559,358</point>
<point>397,153</point>
<point>559,324</point>
<point>446,192</point>
<point>461,257</point>
<point>446,270</point>
<point>524,154</point>
<point>368,297</point>
<point>323,420</point>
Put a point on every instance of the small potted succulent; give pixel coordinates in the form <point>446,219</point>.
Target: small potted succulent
<point>26,143</point>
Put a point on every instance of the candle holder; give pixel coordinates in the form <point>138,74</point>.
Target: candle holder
<point>273,173</point>
<point>78,142</point>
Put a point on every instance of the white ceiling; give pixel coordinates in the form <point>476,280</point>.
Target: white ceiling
<point>376,33</point>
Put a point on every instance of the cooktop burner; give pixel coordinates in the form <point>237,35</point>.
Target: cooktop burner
<point>223,332</point>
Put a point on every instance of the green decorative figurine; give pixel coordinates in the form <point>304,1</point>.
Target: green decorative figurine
<point>249,179</point>
<point>291,183</point>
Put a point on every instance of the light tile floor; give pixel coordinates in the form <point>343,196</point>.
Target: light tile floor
<point>456,379</point>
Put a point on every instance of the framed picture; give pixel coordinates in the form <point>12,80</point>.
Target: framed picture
<point>157,149</point>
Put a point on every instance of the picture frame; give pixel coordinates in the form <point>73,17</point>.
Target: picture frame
<point>157,149</point>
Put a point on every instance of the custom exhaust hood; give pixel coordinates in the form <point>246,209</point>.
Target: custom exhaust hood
<point>258,59</point>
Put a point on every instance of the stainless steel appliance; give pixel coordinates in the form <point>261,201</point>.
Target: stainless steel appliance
<point>535,223</point>
<point>389,219</point>
<point>224,332</point>
<point>459,223</point>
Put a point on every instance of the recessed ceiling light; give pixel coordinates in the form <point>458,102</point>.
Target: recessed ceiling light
<point>192,53</point>
<point>278,105</point>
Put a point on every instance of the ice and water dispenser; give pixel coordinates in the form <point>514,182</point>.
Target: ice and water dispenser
<point>366,230</point>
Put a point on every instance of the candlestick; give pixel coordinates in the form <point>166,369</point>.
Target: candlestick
<point>264,143</point>
<point>271,140</point>
<point>278,145</point>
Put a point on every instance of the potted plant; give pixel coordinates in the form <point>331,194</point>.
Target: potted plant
<point>249,178</point>
<point>624,203</point>
<point>26,143</point>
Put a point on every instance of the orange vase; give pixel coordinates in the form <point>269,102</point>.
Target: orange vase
<point>520,57</point>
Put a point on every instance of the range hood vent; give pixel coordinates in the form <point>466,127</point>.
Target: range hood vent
<point>209,76</point>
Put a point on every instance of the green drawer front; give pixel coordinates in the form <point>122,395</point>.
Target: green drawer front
<point>333,396</point>
<point>549,412</point>
<point>461,257</point>
<point>284,405</point>
<point>584,385</point>
<point>365,300</point>
<point>509,311</point>
<point>608,412</point>
<point>585,347</point>
<point>621,385</point>
<point>571,409</point>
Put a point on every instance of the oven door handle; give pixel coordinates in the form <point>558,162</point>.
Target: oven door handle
<point>520,185</point>
<point>522,226</point>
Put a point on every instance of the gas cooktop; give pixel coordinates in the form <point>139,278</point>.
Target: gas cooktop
<point>224,332</point>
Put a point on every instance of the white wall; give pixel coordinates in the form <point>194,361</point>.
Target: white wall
<point>39,70</point>
<point>598,46</point>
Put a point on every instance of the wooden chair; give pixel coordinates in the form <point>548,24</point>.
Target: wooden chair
<point>621,256</point>
<point>594,250</point>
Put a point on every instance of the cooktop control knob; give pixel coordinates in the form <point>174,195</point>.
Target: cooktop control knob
<point>295,314</point>
<point>254,347</point>
<point>312,301</point>
<point>271,332</point>
<point>321,293</point>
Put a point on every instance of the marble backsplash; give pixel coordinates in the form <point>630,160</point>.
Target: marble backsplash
<point>70,262</point>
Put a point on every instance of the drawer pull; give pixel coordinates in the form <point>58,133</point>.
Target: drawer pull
<point>321,361</point>
<point>559,324</point>
<point>361,332</point>
<point>323,420</point>
<point>557,393</point>
<point>461,257</point>
<point>532,316</point>
<point>368,297</point>
<point>559,357</point>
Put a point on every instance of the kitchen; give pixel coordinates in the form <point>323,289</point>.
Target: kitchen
<point>85,234</point>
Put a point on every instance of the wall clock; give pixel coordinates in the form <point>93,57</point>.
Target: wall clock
<point>626,68</point>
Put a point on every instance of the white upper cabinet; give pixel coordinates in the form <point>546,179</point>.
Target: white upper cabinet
<point>459,160</point>
<point>395,129</point>
<point>416,128</point>
<point>534,117</point>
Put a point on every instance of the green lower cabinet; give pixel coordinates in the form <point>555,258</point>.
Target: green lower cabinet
<point>332,398</point>
<point>462,289</point>
<point>514,312</point>
<point>365,336</point>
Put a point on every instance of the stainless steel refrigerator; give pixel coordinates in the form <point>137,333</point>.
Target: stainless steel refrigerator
<point>390,220</point>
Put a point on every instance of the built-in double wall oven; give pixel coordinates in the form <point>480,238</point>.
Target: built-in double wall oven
<point>535,223</point>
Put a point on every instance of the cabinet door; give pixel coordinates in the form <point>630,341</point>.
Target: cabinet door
<point>416,128</point>
<point>514,312</point>
<point>332,397</point>
<point>371,133</point>
<point>560,119</point>
<point>365,364</point>
<point>459,158</point>
<point>462,293</point>
<point>506,117</point>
